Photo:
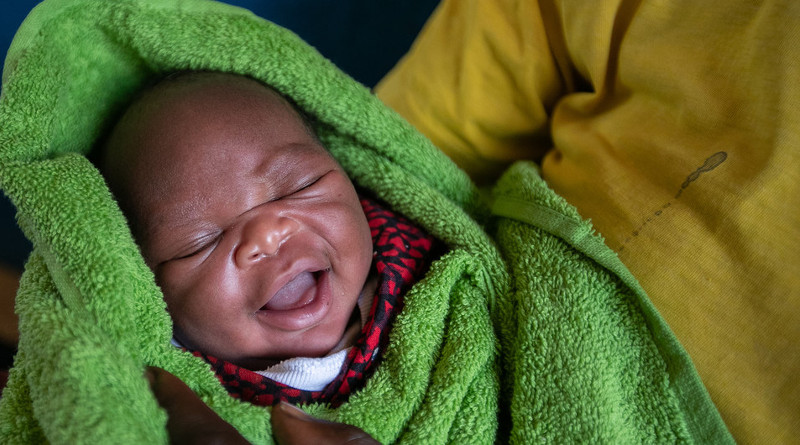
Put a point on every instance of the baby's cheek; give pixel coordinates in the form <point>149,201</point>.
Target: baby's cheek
<point>184,294</point>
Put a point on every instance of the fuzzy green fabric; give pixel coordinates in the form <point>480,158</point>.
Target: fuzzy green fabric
<point>527,330</point>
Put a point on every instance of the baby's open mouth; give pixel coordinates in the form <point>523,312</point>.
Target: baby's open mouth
<point>300,304</point>
<point>298,292</point>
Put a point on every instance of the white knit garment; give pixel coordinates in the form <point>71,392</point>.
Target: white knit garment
<point>307,373</point>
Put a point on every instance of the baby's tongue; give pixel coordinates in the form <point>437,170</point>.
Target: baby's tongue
<point>296,293</point>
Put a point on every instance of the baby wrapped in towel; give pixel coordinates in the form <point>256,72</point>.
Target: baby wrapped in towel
<point>516,324</point>
<point>258,239</point>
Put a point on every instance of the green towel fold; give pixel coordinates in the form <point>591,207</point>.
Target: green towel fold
<point>528,329</point>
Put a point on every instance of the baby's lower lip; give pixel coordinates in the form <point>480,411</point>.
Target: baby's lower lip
<point>297,312</point>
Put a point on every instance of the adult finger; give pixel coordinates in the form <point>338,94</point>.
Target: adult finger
<point>190,420</point>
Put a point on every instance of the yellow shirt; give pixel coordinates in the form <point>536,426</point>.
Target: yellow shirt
<point>673,125</point>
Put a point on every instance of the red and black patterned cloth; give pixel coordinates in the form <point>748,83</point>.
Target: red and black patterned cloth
<point>402,254</point>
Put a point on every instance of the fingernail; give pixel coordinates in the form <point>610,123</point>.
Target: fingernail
<point>293,411</point>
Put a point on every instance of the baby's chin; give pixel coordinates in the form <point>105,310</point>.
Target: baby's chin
<point>317,346</point>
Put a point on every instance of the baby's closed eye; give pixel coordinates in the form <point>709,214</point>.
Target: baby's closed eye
<point>199,246</point>
<point>311,184</point>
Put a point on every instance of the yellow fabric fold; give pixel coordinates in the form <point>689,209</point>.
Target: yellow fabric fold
<point>674,127</point>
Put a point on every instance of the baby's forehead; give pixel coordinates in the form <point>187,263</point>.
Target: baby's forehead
<point>201,98</point>
<point>161,137</point>
<point>202,92</point>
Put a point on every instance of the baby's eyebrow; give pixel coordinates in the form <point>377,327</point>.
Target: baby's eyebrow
<point>176,228</point>
<point>279,171</point>
<point>270,166</point>
<point>180,213</point>
<point>263,169</point>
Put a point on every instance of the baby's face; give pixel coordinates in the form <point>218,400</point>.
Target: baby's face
<point>254,232</point>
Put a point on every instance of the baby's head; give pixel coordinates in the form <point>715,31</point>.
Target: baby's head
<point>254,232</point>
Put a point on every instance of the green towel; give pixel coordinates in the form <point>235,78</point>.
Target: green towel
<point>528,329</point>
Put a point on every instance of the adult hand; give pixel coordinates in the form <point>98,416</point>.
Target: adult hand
<point>192,421</point>
<point>292,426</point>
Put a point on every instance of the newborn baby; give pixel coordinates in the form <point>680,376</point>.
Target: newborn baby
<point>253,231</point>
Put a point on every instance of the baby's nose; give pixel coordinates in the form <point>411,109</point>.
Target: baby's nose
<point>262,237</point>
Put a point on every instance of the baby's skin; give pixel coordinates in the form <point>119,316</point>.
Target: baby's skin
<point>254,232</point>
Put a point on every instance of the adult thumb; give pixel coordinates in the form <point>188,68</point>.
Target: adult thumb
<point>292,426</point>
